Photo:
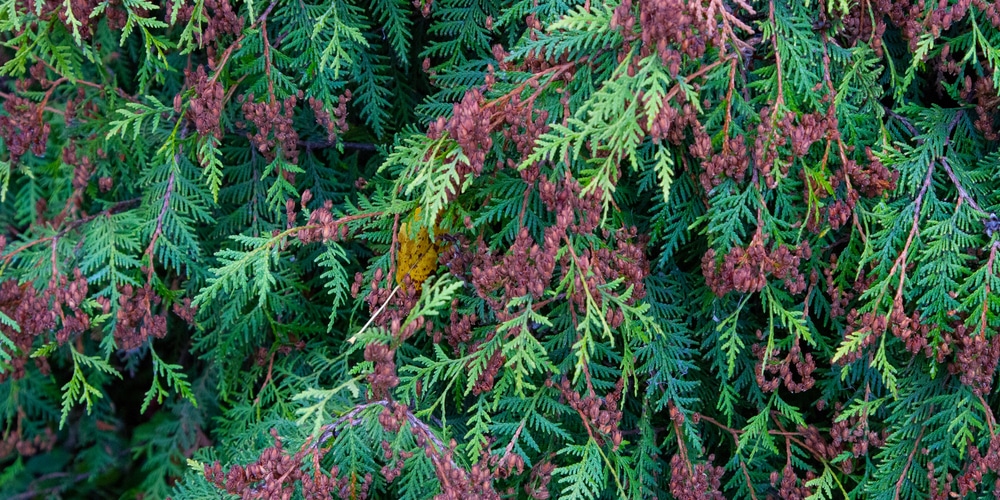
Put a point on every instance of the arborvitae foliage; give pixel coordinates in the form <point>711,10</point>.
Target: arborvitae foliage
<point>516,248</point>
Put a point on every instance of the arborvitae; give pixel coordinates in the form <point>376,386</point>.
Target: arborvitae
<point>499,249</point>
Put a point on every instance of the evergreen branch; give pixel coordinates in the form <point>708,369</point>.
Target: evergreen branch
<point>72,225</point>
<point>900,262</point>
<point>856,262</point>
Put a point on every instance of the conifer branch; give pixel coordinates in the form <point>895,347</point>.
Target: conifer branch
<point>768,218</point>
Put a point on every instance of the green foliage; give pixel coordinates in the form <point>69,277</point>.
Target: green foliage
<point>701,249</point>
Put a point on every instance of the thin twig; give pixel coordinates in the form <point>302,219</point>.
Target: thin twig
<point>159,226</point>
<point>586,289</point>
<point>962,193</point>
<point>777,58</point>
<point>513,440</point>
<point>906,123</point>
<point>989,414</point>
<point>360,146</point>
<point>354,338</point>
<point>986,301</point>
<point>267,380</point>
<point>681,447</point>
<point>48,95</point>
<point>7,97</point>
<point>31,493</point>
<point>909,461</point>
<point>329,430</point>
<point>392,246</point>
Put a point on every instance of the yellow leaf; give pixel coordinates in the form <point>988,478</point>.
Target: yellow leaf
<point>418,256</point>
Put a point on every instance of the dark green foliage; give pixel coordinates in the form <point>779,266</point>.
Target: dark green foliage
<point>660,249</point>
